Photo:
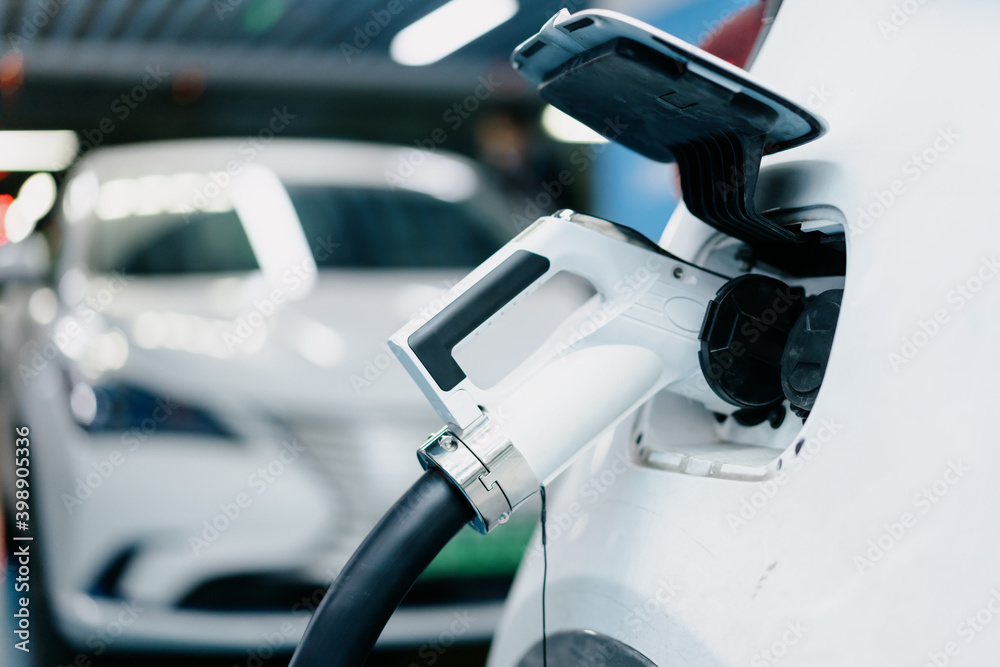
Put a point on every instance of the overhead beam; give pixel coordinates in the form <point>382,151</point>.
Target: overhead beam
<point>262,67</point>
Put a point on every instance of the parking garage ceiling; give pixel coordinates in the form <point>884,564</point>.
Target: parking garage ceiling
<point>228,61</point>
<point>320,42</point>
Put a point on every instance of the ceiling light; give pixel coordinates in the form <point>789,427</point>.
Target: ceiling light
<point>447,29</point>
<point>445,179</point>
<point>17,222</point>
<point>38,194</point>
<point>563,127</point>
<point>37,150</point>
<point>275,233</point>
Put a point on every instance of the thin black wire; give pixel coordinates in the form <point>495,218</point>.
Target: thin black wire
<point>545,576</point>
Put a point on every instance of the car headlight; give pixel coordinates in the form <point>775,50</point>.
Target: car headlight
<point>123,408</point>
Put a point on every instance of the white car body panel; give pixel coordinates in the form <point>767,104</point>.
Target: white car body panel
<point>876,543</point>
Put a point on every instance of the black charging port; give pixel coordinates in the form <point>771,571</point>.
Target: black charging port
<point>764,342</point>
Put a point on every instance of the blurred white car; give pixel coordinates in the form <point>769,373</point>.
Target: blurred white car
<point>216,421</point>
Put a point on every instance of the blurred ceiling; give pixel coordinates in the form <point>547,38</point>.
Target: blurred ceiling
<point>307,42</point>
<point>226,63</point>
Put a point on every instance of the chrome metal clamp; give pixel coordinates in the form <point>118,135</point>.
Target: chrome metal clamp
<point>486,466</point>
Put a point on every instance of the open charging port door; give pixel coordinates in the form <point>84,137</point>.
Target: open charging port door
<point>673,102</point>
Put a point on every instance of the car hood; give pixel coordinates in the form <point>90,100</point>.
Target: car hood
<point>239,337</point>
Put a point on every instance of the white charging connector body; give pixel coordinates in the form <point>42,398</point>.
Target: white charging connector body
<point>638,334</point>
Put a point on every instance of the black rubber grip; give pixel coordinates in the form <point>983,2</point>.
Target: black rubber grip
<point>433,342</point>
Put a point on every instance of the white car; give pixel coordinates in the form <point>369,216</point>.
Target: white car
<point>215,419</point>
<point>865,532</point>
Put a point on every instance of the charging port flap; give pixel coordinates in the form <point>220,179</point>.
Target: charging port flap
<point>672,102</point>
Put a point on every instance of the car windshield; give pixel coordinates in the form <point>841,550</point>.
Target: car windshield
<point>347,228</point>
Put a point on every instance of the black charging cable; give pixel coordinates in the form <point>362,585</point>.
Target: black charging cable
<point>357,606</point>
